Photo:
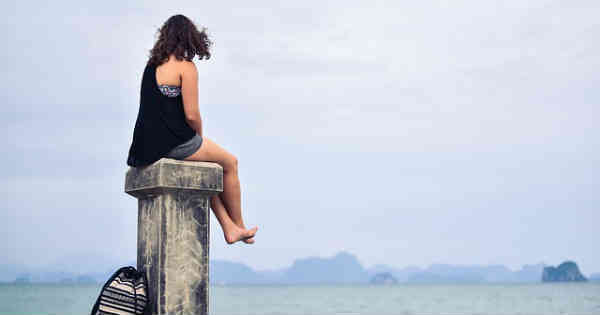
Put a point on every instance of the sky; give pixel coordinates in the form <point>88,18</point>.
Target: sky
<point>406,133</point>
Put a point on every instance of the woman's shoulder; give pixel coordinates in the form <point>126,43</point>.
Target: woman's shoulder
<point>186,65</point>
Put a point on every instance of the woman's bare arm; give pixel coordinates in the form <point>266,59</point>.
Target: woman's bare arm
<point>189,93</point>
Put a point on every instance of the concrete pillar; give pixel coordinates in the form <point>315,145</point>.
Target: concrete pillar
<point>173,231</point>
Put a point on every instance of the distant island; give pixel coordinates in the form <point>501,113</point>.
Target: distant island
<point>383,278</point>
<point>565,272</point>
<point>342,268</point>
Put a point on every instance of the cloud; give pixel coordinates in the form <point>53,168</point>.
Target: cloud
<point>407,129</point>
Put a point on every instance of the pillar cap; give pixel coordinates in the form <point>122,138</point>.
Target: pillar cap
<point>171,174</point>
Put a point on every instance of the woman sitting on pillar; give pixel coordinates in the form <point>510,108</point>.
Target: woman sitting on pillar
<point>169,123</point>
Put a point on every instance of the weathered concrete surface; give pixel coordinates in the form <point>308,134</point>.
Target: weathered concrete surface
<point>173,231</point>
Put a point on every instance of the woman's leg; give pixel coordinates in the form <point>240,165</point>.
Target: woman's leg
<point>231,195</point>
<point>239,222</point>
<point>230,198</point>
<point>231,231</point>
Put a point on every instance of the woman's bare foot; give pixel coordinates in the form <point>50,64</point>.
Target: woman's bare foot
<point>236,233</point>
<point>245,240</point>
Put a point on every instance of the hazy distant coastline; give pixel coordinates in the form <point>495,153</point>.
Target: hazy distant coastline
<point>343,268</point>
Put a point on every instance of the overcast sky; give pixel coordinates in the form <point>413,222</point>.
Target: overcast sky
<point>407,133</point>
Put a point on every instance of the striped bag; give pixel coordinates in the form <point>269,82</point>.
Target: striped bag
<point>124,293</point>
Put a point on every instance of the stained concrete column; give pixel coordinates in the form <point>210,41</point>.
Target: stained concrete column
<point>173,231</point>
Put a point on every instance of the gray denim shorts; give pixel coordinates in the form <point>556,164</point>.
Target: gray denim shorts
<point>186,149</point>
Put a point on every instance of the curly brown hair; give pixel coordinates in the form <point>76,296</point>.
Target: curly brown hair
<point>179,36</point>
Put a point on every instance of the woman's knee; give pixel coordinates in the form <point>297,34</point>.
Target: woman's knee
<point>231,164</point>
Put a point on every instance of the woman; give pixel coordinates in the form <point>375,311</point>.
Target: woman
<point>169,124</point>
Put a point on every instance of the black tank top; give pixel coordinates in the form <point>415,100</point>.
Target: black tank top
<point>160,125</point>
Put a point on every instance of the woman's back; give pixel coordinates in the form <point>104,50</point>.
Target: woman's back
<point>168,77</point>
<point>169,72</point>
<point>161,123</point>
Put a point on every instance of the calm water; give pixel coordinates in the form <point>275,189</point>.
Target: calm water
<point>568,298</point>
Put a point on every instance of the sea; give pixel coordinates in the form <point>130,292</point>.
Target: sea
<point>404,299</point>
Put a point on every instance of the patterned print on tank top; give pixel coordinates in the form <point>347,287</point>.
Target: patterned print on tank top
<point>170,90</point>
